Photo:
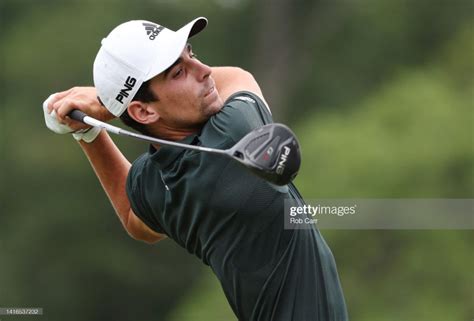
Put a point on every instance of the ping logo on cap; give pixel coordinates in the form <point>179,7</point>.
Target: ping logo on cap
<point>152,30</point>
<point>129,83</point>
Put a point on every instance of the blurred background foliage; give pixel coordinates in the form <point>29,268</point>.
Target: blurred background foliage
<point>380,94</point>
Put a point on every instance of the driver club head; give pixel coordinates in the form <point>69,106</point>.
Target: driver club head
<point>271,152</point>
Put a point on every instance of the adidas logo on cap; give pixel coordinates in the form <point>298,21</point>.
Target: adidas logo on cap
<point>152,30</point>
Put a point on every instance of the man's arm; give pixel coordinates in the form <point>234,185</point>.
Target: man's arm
<point>108,162</point>
<point>111,167</point>
<point>230,80</point>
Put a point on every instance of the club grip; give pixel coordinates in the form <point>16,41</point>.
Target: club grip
<point>77,115</point>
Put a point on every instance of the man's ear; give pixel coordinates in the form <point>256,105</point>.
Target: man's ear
<point>142,112</point>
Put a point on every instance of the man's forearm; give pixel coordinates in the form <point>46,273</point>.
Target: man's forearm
<point>111,167</point>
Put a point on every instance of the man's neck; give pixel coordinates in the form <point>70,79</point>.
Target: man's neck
<point>172,134</point>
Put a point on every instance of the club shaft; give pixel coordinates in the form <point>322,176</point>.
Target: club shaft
<point>80,116</point>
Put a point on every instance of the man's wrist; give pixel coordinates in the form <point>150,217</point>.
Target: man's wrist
<point>106,115</point>
<point>87,135</point>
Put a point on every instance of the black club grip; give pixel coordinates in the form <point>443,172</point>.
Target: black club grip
<point>77,115</point>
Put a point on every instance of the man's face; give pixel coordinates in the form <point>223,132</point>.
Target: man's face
<point>187,96</point>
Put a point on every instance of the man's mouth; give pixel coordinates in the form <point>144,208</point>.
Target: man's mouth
<point>210,91</point>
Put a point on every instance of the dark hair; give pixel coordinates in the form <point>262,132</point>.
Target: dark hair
<point>145,95</point>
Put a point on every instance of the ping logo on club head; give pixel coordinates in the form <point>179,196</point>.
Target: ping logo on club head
<point>129,83</point>
<point>283,158</point>
<point>152,30</point>
<point>268,153</point>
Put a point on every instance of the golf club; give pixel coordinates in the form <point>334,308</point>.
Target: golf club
<point>271,151</point>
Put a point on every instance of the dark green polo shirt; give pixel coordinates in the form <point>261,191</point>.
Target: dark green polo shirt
<point>233,221</point>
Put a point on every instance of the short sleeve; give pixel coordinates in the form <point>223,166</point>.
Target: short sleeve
<point>136,193</point>
<point>242,112</point>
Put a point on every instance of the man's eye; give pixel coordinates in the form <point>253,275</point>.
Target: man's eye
<point>192,55</point>
<point>178,72</point>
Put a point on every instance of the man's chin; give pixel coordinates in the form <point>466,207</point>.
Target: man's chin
<point>215,107</point>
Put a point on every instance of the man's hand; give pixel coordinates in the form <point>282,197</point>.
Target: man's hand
<point>82,98</point>
<point>51,121</point>
<point>59,105</point>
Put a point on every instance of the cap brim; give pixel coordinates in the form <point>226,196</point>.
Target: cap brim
<point>175,43</point>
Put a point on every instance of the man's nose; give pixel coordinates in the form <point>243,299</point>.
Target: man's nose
<point>203,70</point>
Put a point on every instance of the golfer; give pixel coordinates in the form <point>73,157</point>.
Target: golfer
<point>232,220</point>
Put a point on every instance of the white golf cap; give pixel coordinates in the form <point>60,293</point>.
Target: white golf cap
<point>133,53</point>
